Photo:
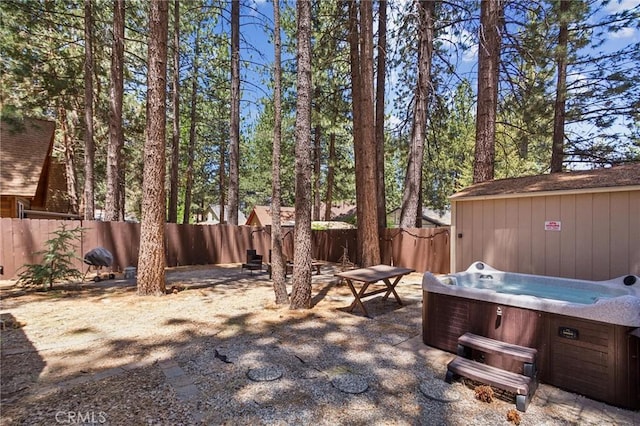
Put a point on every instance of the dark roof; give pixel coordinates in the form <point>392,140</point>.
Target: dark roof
<point>437,218</point>
<point>624,175</point>
<point>25,148</point>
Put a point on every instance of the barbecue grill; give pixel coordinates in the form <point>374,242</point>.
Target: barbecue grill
<point>99,258</point>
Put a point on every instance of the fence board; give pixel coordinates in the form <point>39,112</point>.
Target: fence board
<point>109,240</point>
<point>24,244</point>
<point>171,246</point>
<point>77,244</point>
<point>228,243</point>
<point>423,249</point>
<point>208,241</point>
<point>199,246</point>
<point>90,239</point>
<point>216,245</point>
<point>92,236</point>
<point>7,248</point>
<point>330,245</point>
<point>260,240</point>
<point>387,245</point>
<point>118,244</point>
<point>134,234</point>
<point>287,242</point>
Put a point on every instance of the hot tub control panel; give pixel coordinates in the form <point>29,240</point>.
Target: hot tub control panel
<point>568,333</point>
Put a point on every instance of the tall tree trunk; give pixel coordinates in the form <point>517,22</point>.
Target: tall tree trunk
<point>89,145</point>
<point>557,148</point>
<point>317,153</point>
<point>234,128</point>
<point>356,91</point>
<point>330,176</point>
<point>69,156</point>
<point>221,178</point>
<point>488,60</point>
<point>367,210</point>
<point>301,285</point>
<point>192,130</point>
<point>380,105</point>
<point>175,147</point>
<point>116,137</point>
<point>277,259</point>
<point>411,206</point>
<point>151,263</point>
<point>121,182</point>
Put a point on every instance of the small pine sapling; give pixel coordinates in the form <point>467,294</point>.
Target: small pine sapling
<point>57,260</point>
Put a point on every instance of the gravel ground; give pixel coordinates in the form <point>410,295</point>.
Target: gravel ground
<point>219,351</point>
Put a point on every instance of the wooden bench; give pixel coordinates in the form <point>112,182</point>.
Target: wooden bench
<point>288,268</point>
<point>469,341</point>
<point>522,386</point>
<point>315,266</point>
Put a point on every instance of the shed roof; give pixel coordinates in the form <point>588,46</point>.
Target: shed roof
<point>25,148</point>
<point>620,177</point>
<point>261,216</point>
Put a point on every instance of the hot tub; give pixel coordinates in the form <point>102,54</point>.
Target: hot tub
<point>587,332</point>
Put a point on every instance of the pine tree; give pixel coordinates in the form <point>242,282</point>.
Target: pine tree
<point>301,281</point>
<point>172,216</point>
<point>411,207</point>
<point>234,125</point>
<point>89,143</point>
<point>488,61</point>
<point>276,259</point>
<point>151,277</point>
<point>114,209</point>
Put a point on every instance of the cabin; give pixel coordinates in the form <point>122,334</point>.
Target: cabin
<point>32,181</point>
<point>342,211</point>
<point>578,224</point>
<point>211,215</point>
<point>430,218</point>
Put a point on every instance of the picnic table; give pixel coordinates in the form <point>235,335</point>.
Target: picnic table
<point>371,275</point>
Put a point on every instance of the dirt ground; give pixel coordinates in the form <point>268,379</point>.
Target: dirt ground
<point>219,351</point>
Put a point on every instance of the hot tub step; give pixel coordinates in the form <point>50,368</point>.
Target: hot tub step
<point>484,344</point>
<point>523,386</point>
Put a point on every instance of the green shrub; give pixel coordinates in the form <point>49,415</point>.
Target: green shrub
<point>56,262</point>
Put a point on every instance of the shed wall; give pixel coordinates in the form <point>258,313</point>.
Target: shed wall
<point>599,236</point>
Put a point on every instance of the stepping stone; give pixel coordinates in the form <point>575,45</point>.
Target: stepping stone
<point>436,391</point>
<point>350,383</point>
<point>265,374</point>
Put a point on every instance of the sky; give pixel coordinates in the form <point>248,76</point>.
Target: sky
<point>260,11</point>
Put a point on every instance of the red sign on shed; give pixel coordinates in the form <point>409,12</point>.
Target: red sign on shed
<point>552,225</point>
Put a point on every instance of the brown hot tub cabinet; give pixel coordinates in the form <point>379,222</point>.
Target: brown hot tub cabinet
<point>595,359</point>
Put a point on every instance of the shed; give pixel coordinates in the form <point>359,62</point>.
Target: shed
<point>580,224</point>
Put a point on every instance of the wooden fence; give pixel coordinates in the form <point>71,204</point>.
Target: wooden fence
<point>421,249</point>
